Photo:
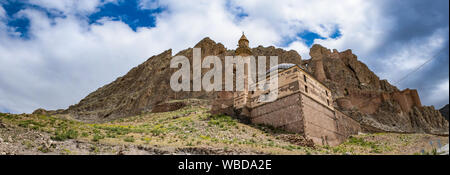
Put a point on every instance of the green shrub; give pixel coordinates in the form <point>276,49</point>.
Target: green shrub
<point>65,134</point>
<point>110,135</point>
<point>7,116</point>
<point>128,139</point>
<point>44,149</point>
<point>27,123</point>
<point>361,142</point>
<point>158,130</point>
<point>221,121</point>
<point>97,137</point>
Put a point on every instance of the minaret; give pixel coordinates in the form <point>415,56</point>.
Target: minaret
<point>243,48</point>
<point>226,100</point>
<point>241,98</point>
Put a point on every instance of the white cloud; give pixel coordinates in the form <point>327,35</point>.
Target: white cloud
<point>410,56</point>
<point>66,60</point>
<point>289,16</point>
<point>440,94</point>
<point>71,6</point>
<point>2,13</point>
<point>149,4</point>
<point>300,47</point>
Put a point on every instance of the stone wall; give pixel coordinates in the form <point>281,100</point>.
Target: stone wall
<point>301,114</point>
<point>287,85</point>
<point>304,106</point>
<point>315,89</point>
<point>346,126</point>
<point>291,81</point>
<point>320,123</point>
<point>285,113</point>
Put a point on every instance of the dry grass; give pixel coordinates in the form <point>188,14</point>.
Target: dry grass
<point>193,126</point>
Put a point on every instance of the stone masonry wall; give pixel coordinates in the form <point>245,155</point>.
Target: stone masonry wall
<point>346,126</point>
<point>285,113</point>
<point>320,123</point>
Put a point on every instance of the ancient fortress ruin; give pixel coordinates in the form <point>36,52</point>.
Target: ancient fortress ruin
<point>303,105</point>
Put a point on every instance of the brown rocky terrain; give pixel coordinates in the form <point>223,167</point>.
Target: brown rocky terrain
<point>444,111</point>
<point>148,84</point>
<point>376,104</point>
<point>188,130</point>
<point>358,92</point>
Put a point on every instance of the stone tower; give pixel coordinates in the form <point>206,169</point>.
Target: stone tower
<point>241,97</point>
<point>226,100</point>
<point>243,48</point>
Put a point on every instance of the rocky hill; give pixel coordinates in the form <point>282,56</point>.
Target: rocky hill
<point>357,91</point>
<point>148,84</point>
<point>376,104</point>
<point>444,111</point>
<point>188,130</point>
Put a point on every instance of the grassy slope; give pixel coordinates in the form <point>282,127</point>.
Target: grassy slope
<point>193,127</point>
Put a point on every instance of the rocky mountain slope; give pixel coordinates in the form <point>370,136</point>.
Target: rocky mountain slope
<point>357,91</point>
<point>375,103</point>
<point>148,84</point>
<point>444,111</point>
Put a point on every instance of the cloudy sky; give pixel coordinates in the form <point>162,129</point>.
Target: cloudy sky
<point>55,52</point>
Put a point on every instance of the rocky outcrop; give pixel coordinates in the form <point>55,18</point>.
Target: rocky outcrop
<point>167,107</point>
<point>139,89</point>
<point>376,104</point>
<point>358,92</point>
<point>317,56</point>
<point>148,84</point>
<point>40,111</point>
<point>444,111</point>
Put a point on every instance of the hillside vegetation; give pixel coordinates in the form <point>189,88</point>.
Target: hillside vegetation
<point>190,130</point>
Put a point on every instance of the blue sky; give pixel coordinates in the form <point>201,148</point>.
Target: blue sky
<point>128,12</point>
<point>131,13</point>
<point>54,53</point>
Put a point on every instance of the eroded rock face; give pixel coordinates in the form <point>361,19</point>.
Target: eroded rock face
<point>358,92</point>
<point>444,111</point>
<point>167,107</point>
<point>375,103</point>
<point>40,111</point>
<point>140,88</point>
<point>148,84</point>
